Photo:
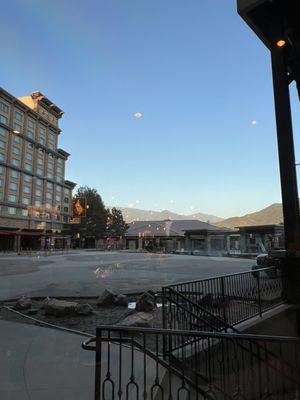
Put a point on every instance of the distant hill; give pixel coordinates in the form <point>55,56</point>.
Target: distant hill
<point>269,215</point>
<point>135,214</point>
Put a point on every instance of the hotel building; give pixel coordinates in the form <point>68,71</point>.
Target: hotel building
<point>35,198</point>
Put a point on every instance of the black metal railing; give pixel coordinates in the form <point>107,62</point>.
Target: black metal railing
<point>131,364</point>
<point>222,301</point>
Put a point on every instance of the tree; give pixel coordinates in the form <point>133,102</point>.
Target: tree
<point>94,223</point>
<point>116,226</point>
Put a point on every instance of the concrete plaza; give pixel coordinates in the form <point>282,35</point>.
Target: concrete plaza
<point>88,273</point>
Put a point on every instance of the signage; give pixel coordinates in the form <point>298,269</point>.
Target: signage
<point>75,221</point>
<point>79,207</point>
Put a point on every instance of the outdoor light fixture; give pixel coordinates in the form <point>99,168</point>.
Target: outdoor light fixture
<point>277,24</point>
<point>281,43</point>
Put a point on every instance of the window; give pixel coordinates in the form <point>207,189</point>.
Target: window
<point>14,174</point>
<point>58,179</point>
<point>27,178</point>
<point>18,116</point>
<point>15,162</point>
<point>58,188</point>
<point>38,192</point>
<point>49,175</point>
<point>13,186</point>
<point>66,199</point>
<point>52,137</point>
<point>2,157</point>
<point>51,146</point>
<point>40,172</point>
<point>16,150</point>
<point>30,124</point>
<point>60,161</point>
<point>66,209</point>
<point>16,139</point>
<point>41,151</point>
<point>41,140</point>
<point>28,156</point>
<point>58,198</point>
<point>67,191</point>
<point>30,134</point>
<point>3,119</point>
<point>29,145</point>
<point>26,189</point>
<point>3,132</point>
<point>42,130</point>
<point>26,201</point>
<point>37,203</point>
<point>2,170</point>
<point>2,144</point>
<point>49,196</point>
<point>59,170</point>
<point>1,182</point>
<point>40,161</point>
<point>50,166</point>
<point>49,185</point>
<point>28,167</point>
<point>4,107</point>
<point>11,210</point>
<point>38,182</point>
<point>48,205</point>
<point>18,127</point>
<point>12,198</point>
<point>25,212</point>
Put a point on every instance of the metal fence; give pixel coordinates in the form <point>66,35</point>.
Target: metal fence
<point>131,365</point>
<point>221,302</point>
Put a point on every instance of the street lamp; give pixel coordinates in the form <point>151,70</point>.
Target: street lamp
<point>276,23</point>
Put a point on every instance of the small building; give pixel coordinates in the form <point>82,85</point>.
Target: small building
<point>261,238</point>
<point>209,240</point>
<point>177,236</point>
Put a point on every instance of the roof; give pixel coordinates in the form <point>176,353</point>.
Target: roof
<point>169,227</point>
<point>269,227</point>
<point>48,103</point>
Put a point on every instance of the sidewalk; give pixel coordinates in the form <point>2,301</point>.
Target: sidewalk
<point>41,363</point>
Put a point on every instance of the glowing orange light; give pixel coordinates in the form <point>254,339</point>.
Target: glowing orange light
<point>281,43</point>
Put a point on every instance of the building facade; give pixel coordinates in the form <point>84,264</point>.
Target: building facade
<point>178,236</point>
<point>35,198</point>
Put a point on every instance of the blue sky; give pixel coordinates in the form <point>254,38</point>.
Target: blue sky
<point>193,69</point>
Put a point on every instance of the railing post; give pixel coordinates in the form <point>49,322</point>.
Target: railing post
<point>259,296</point>
<point>164,314</point>
<point>223,302</point>
<point>98,365</point>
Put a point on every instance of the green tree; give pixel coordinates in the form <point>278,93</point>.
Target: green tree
<point>94,223</point>
<point>116,226</point>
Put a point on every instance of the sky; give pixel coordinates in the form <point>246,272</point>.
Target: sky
<point>168,104</point>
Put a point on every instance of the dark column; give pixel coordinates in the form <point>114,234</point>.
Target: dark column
<point>288,175</point>
<point>286,152</point>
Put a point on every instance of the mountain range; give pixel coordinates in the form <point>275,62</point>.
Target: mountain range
<point>136,214</point>
<point>269,215</point>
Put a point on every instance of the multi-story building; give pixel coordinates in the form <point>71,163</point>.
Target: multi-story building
<point>35,198</point>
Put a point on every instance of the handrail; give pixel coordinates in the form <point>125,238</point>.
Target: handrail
<point>218,277</point>
<point>241,341</point>
<point>204,334</point>
<point>85,346</point>
<point>204,310</point>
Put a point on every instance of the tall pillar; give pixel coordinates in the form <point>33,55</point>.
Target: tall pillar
<point>288,176</point>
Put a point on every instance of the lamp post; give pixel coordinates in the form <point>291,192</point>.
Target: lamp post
<point>276,23</point>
